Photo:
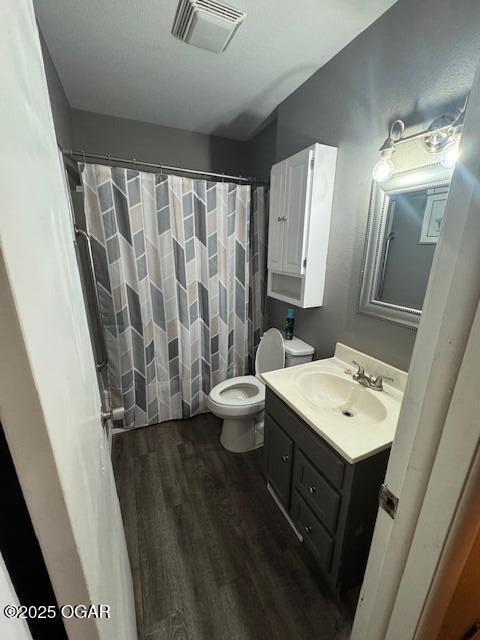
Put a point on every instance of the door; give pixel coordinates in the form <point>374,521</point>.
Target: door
<point>298,183</point>
<point>278,459</point>
<point>276,225</point>
<point>49,397</point>
<point>440,403</point>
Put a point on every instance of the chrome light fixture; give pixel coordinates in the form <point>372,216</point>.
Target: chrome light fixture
<point>440,133</point>
<point>450,155</point>
<point>442,136</point>
<point>384,168</point>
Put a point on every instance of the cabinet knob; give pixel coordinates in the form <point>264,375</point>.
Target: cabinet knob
<point>308,529</point>
<point>312,489</point>
<point>284,458</point>
<point>281,219</point>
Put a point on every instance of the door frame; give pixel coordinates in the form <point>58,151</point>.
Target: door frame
<point>394,595</point>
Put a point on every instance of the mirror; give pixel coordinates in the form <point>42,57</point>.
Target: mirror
<point>404,223</point>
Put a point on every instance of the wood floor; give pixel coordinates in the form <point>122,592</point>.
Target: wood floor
<point>211,555</point>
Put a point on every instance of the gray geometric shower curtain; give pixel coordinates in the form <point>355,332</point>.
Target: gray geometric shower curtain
<point>173,272</point>
<point>257,250</point>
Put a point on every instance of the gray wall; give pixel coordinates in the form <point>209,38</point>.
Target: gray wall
<point>153,143</point>
<point>412,63</point>
<point>262,150</point>
<point>58,100</point>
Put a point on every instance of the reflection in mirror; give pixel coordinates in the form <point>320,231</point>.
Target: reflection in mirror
<point>413,222</point>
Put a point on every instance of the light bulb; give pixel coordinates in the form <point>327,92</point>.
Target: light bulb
<point>450,156</point>
<point>383,170</point>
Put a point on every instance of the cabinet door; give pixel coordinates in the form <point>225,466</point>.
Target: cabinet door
<point>314,534</point>
<point>276,225</point>
<point>278,460</point>
<point>320,496</point>
<point>297,206</point>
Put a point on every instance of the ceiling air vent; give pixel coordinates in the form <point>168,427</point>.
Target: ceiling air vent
<point>206,23</point>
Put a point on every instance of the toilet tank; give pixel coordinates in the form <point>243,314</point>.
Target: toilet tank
<point>297,352</point>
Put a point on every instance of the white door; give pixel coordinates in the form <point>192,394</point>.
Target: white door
<point>276,225</point>
<point>439,403</point>
<point>49,398</point>
<point>297,206</point>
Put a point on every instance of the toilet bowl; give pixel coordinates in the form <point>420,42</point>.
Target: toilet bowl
<point>240,401</point>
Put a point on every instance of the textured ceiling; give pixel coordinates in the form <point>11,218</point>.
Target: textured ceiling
<point>118,57</point>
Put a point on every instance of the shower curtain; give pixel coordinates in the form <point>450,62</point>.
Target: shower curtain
<point>180,275</point>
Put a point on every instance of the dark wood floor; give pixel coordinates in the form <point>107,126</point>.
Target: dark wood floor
<point>211,555</point>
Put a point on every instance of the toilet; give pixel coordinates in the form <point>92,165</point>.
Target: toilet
<point>240,401</point>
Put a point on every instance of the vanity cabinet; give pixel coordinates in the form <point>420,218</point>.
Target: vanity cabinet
<point>332,503</point>
<point>301,191</point>
<point>278,460</point>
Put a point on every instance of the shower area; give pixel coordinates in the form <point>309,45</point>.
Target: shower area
<point>174,272</point>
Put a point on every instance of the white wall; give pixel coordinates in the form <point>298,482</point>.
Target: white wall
<point>49,399</point>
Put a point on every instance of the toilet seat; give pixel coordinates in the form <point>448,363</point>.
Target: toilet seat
<point>270,353</point>
<point>240,391</point>
<point>245,394</point>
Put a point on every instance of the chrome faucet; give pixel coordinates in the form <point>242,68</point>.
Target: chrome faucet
<point>366,380</point>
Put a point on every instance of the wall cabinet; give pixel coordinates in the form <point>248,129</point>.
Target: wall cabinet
<point>301,192</point>
<point>332,503</point>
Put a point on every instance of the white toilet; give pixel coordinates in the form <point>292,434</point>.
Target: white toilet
<point>240,401</point>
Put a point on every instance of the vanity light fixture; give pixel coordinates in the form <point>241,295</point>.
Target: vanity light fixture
<point>442,136</point>
<point>450,155</point>
<point>384,168</point>
<point>441,133</point>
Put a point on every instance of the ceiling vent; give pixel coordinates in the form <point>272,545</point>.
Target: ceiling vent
<point>206,23</point>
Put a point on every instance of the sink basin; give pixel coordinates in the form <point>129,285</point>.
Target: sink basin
<point>356,421</point>
<point>344,398</point>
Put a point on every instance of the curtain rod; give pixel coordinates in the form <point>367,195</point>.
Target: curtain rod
<point>163,167</point>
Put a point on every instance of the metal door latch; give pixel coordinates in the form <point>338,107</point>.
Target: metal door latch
<point>115,415</point>
<point>388,501</point>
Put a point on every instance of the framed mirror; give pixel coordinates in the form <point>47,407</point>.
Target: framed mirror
<point>405,218</point>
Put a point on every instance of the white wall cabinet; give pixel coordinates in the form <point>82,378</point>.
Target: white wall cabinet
<point>301,192</point>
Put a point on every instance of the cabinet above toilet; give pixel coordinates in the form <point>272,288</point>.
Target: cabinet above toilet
<point>301,192</point>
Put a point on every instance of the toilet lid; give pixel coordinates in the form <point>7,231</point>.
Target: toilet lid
<point>270,352</point>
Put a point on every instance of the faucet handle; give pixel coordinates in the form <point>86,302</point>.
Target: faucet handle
<point>377,383</point>
<point>361,370</point>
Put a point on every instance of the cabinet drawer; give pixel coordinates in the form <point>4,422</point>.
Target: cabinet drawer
<point>313,532</point>
<point>319,452</point>
<point>278,458</point>
<point>318,494</point>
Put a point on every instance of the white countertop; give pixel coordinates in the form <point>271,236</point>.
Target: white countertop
<point>357,437</point>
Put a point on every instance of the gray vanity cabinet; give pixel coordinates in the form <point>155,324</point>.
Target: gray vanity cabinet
<point>278,460</point>
<point>332,503</point>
